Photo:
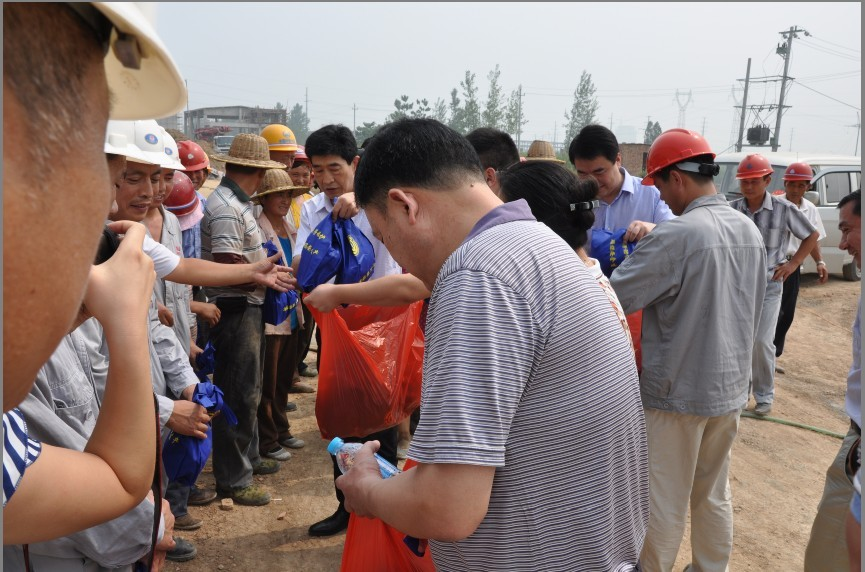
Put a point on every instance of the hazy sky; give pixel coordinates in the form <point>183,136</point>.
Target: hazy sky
<point>368,54</point>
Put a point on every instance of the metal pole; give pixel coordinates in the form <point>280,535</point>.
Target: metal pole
<point>858,129</point>
<point>783,86</point>
<point>744,104</point>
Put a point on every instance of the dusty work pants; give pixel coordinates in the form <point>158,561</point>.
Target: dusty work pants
<point>689,459</point>
<point>763,360</point>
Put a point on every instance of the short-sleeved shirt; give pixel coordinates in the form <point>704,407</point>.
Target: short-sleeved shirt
<point>319,207</point>
<point>19,452</point>
<point>636,201</point>
<point>775,218</point>
<point>563,369</point>
<point>807,208</point>
<point>164,261</point>
<point>229,227</point>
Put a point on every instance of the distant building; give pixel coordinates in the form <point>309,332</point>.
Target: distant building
<point>634,156</point>
<point>172,122</point>
<point>207,122</point>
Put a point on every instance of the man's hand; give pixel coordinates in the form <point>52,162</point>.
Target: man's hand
<point>822,273</point>
<point>784,271</point>
<point>188,418</point>
<point>345,207</point>
<point>356,483</point>
<point>267,273</point>
<point>323,298</point>
<point>165,315</point>
<point>167,543</point>
<point>194,352</point>
<point>637,230</point>
<point>208,312</point>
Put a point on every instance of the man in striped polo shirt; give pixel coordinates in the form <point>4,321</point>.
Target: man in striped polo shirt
<point>531,444</point>
<point>230,235</point>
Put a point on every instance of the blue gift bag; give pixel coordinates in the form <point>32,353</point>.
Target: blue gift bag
<point>320,256</point>
<point>277,305</point>
<point>358,257</point>
<point>610,248</point>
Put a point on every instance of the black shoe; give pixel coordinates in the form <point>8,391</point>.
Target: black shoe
<point>201,497</point>
<point>334,524</point>
<point>182,552</point>
<point>290,406</point>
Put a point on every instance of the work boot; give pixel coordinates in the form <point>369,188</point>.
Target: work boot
<point>183,551</point>
<point>187,522</point>
<point>266,467</point>
<point>252,495</point>
<point>201,497</point>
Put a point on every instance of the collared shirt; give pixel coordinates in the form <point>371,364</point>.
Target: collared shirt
<point>854,378</point>
<point>173,295</point>
<point>775,218</point>
<point>700,280</point>
<point>319,207</point>
<point>229,227</point>
<point>636,201</point>
<point>813,215</point>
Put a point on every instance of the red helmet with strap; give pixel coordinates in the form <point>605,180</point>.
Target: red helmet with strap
<point>799,172</point>
<point>192,156</point>
<point>183,199</point>
<point>754,166</point>
<point>674,146</point>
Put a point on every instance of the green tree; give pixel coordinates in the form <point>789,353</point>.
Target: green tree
<point>422,109</point>
<point>514,120</point>
<point>652,132</point>
<point>457,120</point>
<point>583,109</point>
<point>403,109</point>
<point>495,108</point>
<point>440,111</point>
<point>472,108</point>
<point>298,122</point>
<point>365,131</point>
<point>279,106</point>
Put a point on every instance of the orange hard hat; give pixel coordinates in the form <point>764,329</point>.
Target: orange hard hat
<point>192,156</point>
<point>183,199</point>
<point>674,146</point>
<point>754,166</point>
<point>799,172</point>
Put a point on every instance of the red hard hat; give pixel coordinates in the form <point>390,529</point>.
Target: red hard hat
<point>183,199</point>
<point>799,172</point>
<point>192,156</point>
<point>753,167</point>
<point>300,154</point>
<point>674,146</point>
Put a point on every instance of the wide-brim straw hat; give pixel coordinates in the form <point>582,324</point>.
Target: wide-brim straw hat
<point>542,151</point>
<point>275,181</point>
<point>249,150</point>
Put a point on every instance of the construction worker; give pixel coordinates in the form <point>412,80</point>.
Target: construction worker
<point>699,279</point>
<point>196,163</point>
<point>281,143</point>
<point>56,86</point>
<point>797,181</point>
<point>776,218</point>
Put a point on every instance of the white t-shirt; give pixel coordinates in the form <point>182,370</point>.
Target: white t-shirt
<point>164,261</point>
<point>810,211</point>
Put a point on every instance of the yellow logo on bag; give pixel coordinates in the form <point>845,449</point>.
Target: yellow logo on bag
<point>355,249</point>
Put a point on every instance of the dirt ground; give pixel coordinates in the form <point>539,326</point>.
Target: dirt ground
<point>776,477</point>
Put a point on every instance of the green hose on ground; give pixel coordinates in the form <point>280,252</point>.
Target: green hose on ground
<point>752,415</point>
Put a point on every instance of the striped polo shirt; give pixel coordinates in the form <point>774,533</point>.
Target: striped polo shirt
<point>527,369</point>
<point>228,227</point>
<point>776,219</point>
<point>19,451</point>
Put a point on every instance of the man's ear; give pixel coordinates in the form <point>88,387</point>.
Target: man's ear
<point>490,175</point>
<point>354,162</point>
<point>403,202</point>
<point>618,159</point>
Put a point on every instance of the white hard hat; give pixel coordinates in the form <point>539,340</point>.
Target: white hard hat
<point>147,82</point>
<point>172,155</point>
<point>148,136</point>
<point>119,140</point>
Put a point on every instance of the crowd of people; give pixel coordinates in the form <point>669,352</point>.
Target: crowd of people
<point>631,366</point>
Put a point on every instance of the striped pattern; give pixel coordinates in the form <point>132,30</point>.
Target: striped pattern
<point>229,227</point>
<point>527,369</point>
<point>19,451</point>
<point>776,219</point>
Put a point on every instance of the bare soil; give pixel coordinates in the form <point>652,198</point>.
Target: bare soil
<point>776,477</point>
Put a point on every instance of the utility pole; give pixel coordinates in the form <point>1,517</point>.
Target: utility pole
<point>306,103</point>
<point>744,108</point>
<point>703,130</point>
<point>186,118</point>
<point>555,125</point>
<point>611,122</point>
<point>682,107</point>
<point>354,121</point>
<point>790,148</point>
<point>784,50</point>
<point>858,127</point>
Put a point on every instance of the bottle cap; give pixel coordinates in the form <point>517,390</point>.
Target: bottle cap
<point>335,445</point>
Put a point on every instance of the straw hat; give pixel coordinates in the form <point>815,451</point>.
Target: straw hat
<point>275,181</point>
<point>542,151</point>
<point>249,150</point>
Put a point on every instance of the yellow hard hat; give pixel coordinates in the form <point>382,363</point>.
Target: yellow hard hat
<point>279,138</point>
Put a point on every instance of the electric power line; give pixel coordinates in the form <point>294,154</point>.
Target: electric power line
<point>827,96</point>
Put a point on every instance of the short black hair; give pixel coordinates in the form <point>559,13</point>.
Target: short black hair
<point>856,198</point>
<point>419,153</point>
<point>594,141</point>
<point>551,189</point>
<point>495,148</point>
<point>332,140</point>
<point>707,159</point>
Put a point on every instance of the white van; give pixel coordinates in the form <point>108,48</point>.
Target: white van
<point>834,177</point>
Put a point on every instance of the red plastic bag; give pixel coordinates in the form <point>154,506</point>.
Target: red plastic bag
<point>371,366</point>
<point>373,546</point>
<point>635,324</point>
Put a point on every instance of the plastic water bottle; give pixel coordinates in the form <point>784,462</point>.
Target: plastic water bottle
<point>345,452</point>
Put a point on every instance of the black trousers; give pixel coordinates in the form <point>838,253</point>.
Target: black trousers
<point>387,438</point>
<point>788,309</point>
